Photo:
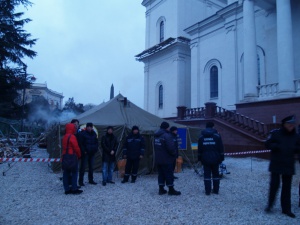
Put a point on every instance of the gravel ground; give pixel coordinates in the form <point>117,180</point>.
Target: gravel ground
<point>32,194</point>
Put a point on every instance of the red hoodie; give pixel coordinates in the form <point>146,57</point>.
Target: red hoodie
<point>73,144</point>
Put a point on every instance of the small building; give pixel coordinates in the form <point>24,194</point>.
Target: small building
<point>37,90</point>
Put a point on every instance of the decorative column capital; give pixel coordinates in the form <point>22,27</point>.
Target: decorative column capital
<point>194,44</point>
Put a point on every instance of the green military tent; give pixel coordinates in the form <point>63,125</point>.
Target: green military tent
<point>122,114</point>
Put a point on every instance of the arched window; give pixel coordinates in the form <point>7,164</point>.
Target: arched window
<point>161,31</point>
<point>160,97</point>
<point>214,82</point>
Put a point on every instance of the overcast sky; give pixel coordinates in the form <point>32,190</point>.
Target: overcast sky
<point>85,46</point>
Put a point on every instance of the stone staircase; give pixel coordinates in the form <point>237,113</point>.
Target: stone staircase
<point>241,122</point>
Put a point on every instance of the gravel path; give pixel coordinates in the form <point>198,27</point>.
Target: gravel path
<point>32,194</point>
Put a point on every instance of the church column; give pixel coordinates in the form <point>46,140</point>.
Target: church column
<point>146,86</point>
<point>181,81</point>
<point>195,70</point>
<point>285,47</point>
<point>250,55</point>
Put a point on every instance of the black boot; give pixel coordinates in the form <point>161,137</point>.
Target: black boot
<point>80,182</point>
<point>133,179</point>
<point>125,179</point>
<point>172,191</point>
<point>289,213</point>
<point>268,209</point>
<point>162,191</point>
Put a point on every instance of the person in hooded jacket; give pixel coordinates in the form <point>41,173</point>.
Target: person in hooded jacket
<point>69,141</point>
<point>284,143</point>
<point>76,123</point>
<point>210,154</point>
<point>109,144</point>
<point>133,152</point>
<point>89,147</point>
<point>165,155</point>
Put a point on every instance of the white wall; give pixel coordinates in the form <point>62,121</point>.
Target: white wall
<point>219,43</point>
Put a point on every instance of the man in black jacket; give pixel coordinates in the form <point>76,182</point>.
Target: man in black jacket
<point>133,151</point>
<point>284,143</point>
<point>165,154</point>
<point>211,154</point>
<point>89,146</point>
<point>109,144</point>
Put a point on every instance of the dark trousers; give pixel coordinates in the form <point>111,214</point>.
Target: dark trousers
<point>86,158</point>
<point>211,171</point>
<point>131,168</point>
<point>165,174</point>
<point>285,198</point>
<point>174,165</point>
<point>70,178</point>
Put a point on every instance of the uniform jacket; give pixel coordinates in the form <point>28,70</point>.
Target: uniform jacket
<point>283,145</point>
<point>165,150</point>
<point>134,146</point>
<point>73,146</point>
<point>210,147</point>
<point>109,142</point>
<point>88,142</point>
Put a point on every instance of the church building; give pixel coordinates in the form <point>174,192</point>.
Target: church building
<point>227,52</point>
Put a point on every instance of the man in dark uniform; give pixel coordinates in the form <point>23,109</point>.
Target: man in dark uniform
<point>284,143</point>
<point>133,151</point>
<point>165,154</point>
<point>211,154</point>
<point>88,146</point>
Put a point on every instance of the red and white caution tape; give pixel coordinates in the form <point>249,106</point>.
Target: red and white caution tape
<point>30,159</point>
<point>248,152</point>
<point>59,160</point>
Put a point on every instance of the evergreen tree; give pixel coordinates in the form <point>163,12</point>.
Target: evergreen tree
<point>71,106</point>
<point>14,46</point>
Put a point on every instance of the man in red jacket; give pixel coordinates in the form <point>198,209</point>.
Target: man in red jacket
<point>69,141</point>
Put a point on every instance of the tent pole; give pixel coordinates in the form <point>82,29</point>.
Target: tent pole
<point>117,152</point>
<point>191,144</point>
<point>121,138</point>
<point>187,158</point>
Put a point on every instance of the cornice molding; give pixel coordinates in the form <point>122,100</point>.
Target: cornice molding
<point>219,17</point>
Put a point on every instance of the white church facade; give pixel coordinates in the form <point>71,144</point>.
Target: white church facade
<point>221,51</point>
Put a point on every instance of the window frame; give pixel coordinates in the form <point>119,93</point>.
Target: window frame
<point>161,31</point>
<point>160,96</point>
<point>214,82</point>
